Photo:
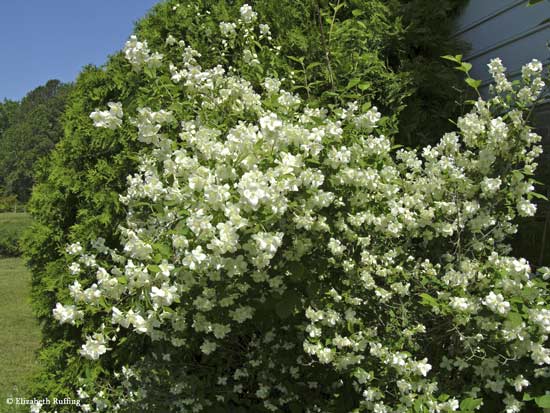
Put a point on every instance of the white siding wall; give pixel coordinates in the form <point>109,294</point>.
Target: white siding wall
<point>507,29</point>
<point>516,33</point>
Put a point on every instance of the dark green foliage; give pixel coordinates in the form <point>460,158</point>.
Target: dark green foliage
<point>435,90</point>
<point>372,51</point>
<point>33,129</point>
<point>8,108</point>
<point>12,226</point>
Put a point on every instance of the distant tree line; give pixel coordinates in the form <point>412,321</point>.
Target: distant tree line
<point>29,130</point>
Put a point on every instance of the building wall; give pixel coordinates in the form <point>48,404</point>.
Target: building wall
<point>516,33</point>
<point>507,29</point>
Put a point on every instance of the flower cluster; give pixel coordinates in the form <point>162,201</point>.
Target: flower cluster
<point>110,119</point>
<point>288,256</point>
<point>139,55</point>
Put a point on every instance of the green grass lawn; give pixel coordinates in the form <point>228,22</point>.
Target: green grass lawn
<point>12,225</point>
<point>19,332</point>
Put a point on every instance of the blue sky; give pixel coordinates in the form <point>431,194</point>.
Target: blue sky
<point>53,39</point>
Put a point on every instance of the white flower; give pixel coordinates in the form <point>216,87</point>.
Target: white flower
<point>74,249</point>
<point>170,40</point>
<point>368,120</point>
<point>250,58</point>
<point>270,122</point>
<point>542,318</point>
<point>94,347</point>
<point>139,55</point>
<point>220,330</point>
<point>262,392</point>
<point>496,303</point>
<point>325,355</point>
<point>264,30</point>
<point>512,404</point>
<point>66,314</point>
<point>36,407</point>
<point>195,258</point>
<point>272,85</point>
<point>267,242</point>
<point>545,273</point>
<point>422,367</point>
<point>119,318</point>
<point>336,248</point>
<point>254,188</point>
<point>228,29</point>
<point>520,383</point>
<point>496,67</point>
<point>497,70</point>
<point>165,295</point>
<point>490,185</point>
<point>531,69</point>
<point>208,347</point>
<point>526,208</point>
<point>75,290</point>
<point>74,268</point>
<point>450,405</point>
<point>540,354</point>
<point>247,14</point>
<point>462,304</point>
<point>165,269</point>
<point>110,119</point>
<point>141,325</point>
<point>242,313</point>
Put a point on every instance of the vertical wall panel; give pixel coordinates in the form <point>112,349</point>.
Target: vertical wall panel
<point>507,29</point>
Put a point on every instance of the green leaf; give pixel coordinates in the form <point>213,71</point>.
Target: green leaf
<point>515,319</point>
<point>456,59</point>
<point>470,404</point>
<point>313,65</point>
<point>533,2</point>
<point>163,249</point>
<point>153,268</point>
<point>517,174</point>
<point>337,7</point>
<point>366,106</point>
<point>538,196</point>
<point>297,59</point>
<point>353,82</point>
<point>418,406</point>
<point>527,397</point>
<point>473,83</point>
<point>428,300</point>
<point>543,401</point>
<point>464,67</point>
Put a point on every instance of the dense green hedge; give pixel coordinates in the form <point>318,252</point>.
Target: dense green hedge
<point>384,52</point>
<point>12,226</point>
